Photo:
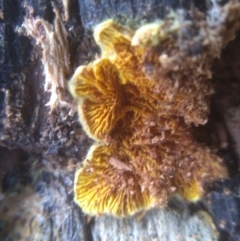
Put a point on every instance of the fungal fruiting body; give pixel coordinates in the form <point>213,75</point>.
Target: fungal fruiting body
<point>138,107</point>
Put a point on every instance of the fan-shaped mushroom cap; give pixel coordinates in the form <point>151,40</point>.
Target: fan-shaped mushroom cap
<point>100,97</point>
<point>107,184</point>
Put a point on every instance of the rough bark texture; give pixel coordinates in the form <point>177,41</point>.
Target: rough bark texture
<point>41,147</point>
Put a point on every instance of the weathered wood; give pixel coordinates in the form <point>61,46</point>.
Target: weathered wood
<point>165,225</point>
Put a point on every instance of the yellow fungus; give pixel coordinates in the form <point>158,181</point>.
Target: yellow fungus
<point>102,188</point>
<point>139,115</point>
<point>98,91</point>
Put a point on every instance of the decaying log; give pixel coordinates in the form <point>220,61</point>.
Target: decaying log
<point>42,143</point>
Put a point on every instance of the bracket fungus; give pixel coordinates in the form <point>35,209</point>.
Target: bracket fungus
<point>138,101</point>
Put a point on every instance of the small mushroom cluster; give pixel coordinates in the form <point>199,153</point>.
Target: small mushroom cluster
<point>137,102</point>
